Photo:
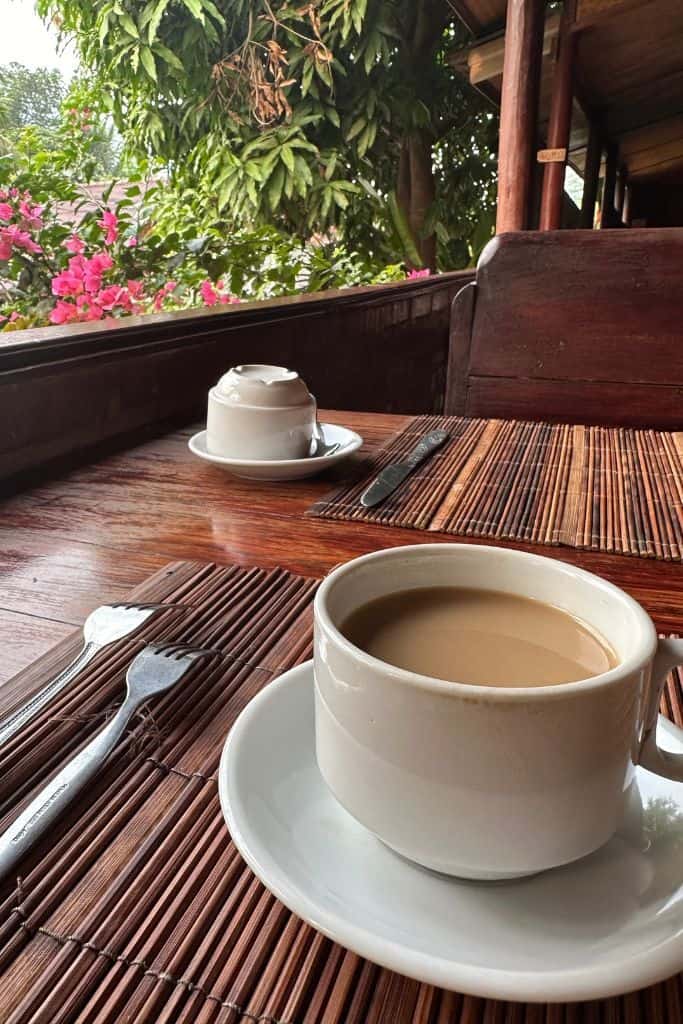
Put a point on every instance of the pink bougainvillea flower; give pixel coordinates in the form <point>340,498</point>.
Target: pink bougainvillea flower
<point>212,294</point>
<point>63,313</point>
<point>14,236</point>
<point>131,242</point>
<point>110,225</point>
<point>161,294</point>
<point>136,289</point>
<point>6,211</point>
<point>208,293</point>
<point>88,309</point>
<point>110,296</point>
<point>412,274</point>
<point>75,245</point>
<point>100,262</point>
<point>93,269</point>
<point>31,215</point>
<point>91,282</point>
<point>5,247</point>
<point>67,283</point>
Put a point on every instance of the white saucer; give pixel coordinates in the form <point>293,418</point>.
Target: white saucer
<point>284,469</point>
<point>605,925</point>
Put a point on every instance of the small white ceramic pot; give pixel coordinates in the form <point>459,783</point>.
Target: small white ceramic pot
<point>476,781</point>
<point>260,412</point>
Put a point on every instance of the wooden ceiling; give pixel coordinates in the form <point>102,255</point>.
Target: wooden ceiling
<point>629,76</point>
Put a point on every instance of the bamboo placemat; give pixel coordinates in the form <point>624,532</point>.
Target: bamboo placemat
<point>615,490</point>
<point>138,909</point>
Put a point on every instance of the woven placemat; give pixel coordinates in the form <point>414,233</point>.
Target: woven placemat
<point>609,489</point>
<point>137,908</point>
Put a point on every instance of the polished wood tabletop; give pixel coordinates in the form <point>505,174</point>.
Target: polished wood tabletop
<point>89,537</point>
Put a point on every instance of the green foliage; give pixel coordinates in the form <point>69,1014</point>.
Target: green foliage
<point>258,262</point>
<point>277,112</point>
<point>42,122</point>
<point>31,98</point>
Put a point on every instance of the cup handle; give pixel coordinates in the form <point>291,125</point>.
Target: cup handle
<point>669,655</point>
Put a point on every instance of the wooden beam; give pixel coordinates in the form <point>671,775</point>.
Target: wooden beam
<point>657,170</point>
<point>591,176</point>
<point>485,60</point>
<point>656,155</point>
<point>519,111</point>
<point>559,123</point>
<point>608,215</point>
<point>595,12</point>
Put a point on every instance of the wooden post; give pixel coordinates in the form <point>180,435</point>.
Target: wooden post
<point>591,176</point>
<point>519,111</point>
<point>620,193</point>
<point>559,124</point>
<point>626,209</point>
<point>608,215</point>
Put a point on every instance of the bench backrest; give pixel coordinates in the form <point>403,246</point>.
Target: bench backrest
<point>575,326</point>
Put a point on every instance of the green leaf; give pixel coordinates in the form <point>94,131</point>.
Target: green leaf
<point>148,62</point>
<point>358,13</point>
<point>155,19</point>
<point>340,199</point>
<point>225,194</point>
<point>323,69</point>
<point>331,164</point>
<point>287,156</point>
<point>129,25</point>
<point>356,128</point>
<point>254,170</point>
<point>275,185</point>
<point>103,29</point>
<point>213,11</point>
<point>195,9</point>
<point>169,56</point>
<point>332,115</point>
<point>372,48</point>
<point>303,171</point>
<point>307,78</point>
<point>299,143</point>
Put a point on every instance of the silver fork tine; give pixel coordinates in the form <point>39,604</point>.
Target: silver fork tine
<point>152,671</point>
<point>106,624</point>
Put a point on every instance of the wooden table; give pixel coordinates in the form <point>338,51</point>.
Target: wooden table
<point>72,544</point>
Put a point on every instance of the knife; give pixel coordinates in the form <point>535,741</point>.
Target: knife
<point>391,476</point>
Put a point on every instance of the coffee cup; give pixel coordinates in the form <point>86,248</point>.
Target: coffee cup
<point>259,412</point>
<point>487,782</point>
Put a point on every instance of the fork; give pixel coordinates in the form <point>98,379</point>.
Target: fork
<point>102,627</point>
<point>153,671</point>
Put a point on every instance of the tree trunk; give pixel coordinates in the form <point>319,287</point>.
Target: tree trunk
<point>415,188</point>
<point>422,194</point>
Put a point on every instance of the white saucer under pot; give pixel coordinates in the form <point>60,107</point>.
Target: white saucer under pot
<point>605,925</point>
<point>283,469</point>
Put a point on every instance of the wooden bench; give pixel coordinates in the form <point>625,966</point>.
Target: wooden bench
<point>573,326</point>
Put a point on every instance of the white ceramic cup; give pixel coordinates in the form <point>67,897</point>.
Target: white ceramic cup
<point>476,781</point>
<point>259,412</point>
